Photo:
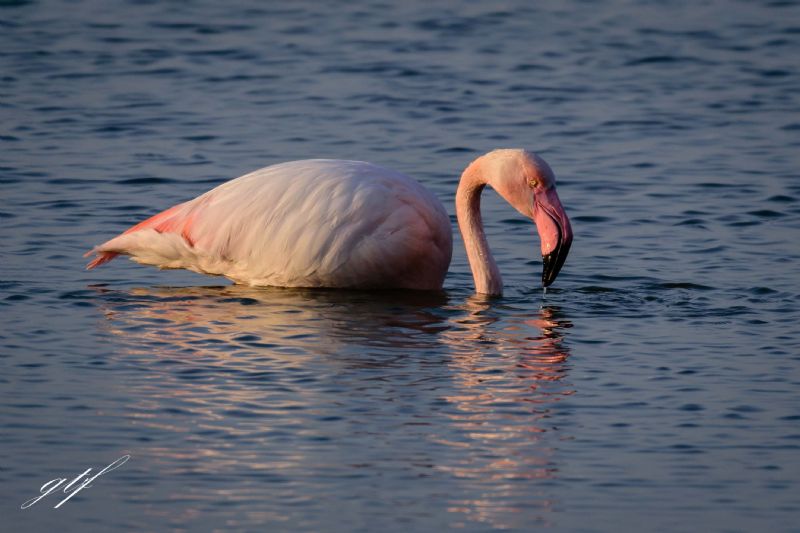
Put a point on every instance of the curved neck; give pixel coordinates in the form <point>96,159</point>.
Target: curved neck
<point>468,211</point>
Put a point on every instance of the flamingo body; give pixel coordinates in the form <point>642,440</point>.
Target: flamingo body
<point>347,224</point>
<point>312,223</point>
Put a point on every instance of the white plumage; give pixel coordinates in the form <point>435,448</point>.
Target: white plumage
<point>314,223</point>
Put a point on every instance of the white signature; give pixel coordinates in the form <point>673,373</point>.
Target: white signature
<point>54,484</point>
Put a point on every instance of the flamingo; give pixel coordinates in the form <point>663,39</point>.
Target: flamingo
<point>346,224</point>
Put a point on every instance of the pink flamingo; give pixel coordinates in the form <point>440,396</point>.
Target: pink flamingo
<point>348,224</point>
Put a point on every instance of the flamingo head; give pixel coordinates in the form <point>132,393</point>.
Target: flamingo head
<point>527,182</point>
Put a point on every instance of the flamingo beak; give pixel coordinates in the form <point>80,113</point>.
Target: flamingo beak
<point>555,233</point>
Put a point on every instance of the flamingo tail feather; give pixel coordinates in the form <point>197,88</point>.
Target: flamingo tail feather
<point>172,220</point>
<point>101,259</point>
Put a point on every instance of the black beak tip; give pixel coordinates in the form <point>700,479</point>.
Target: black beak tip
<point>552,263</point>
<point>549,272</point>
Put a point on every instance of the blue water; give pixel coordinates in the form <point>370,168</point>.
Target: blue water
<point>653,388</point>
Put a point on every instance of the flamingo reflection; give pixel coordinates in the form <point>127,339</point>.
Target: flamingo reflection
<point>473,384</point>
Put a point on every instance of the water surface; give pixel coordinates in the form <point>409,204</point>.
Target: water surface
<point>652,388</point>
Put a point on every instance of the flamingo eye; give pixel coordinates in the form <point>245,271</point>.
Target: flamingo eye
<point>533,183</point>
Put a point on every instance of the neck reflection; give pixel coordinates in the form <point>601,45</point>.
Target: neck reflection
<point>510,368</point>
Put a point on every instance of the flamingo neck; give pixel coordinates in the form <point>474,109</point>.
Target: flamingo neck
<point>468,211</point>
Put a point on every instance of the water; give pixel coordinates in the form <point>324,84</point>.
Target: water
<point>654,386</point>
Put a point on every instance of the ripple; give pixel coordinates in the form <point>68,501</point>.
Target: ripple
<point>591,219</point>
<point>667,59</point>
<point>766,213</point>
<point>146,181</point>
